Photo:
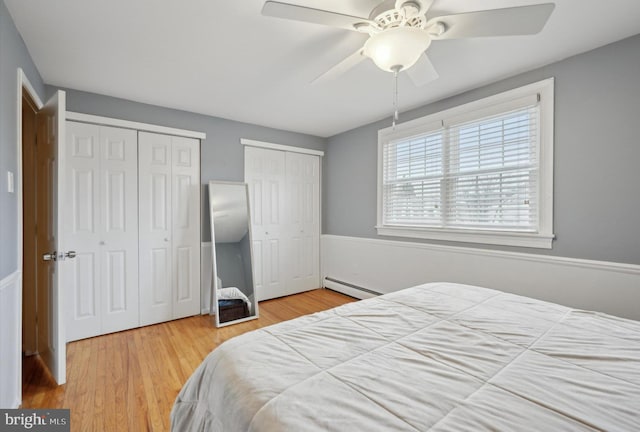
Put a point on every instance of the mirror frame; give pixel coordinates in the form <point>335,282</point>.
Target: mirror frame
<point>213,307</point>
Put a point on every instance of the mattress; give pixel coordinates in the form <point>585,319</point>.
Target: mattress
<point>436,357</point>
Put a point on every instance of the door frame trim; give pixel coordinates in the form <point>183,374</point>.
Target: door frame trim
<point>137,126</point>
<point>282,147</point>
<point>23,84</point>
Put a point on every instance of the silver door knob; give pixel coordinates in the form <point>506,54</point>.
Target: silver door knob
<point>70,254</point>
<point>102,243</point>
<point>53,256</point>
<point>166,239</point>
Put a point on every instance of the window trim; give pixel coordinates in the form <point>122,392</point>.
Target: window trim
<point>543,238</point>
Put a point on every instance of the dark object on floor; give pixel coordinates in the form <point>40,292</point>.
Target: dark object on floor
<point>232,310</point>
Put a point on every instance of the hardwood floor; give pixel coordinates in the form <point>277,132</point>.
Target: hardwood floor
<point>128,381</point>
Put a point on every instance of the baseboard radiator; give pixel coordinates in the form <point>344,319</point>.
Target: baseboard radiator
<point>349,288</point>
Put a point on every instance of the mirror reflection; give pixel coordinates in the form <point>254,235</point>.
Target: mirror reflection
<point>233,298</point>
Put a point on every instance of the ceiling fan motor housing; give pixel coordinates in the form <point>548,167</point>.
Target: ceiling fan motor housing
<point>386,15</point>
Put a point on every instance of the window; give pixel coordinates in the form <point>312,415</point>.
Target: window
<point>481,172</point>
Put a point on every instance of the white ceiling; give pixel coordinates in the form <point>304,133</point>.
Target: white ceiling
<point>223,58</point>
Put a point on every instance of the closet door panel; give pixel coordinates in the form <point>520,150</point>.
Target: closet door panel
<point>265,175</point>
<point>155,225</point>
<point>303,221</point>
<point>255,200</point>
<point>158,297</point>
<point>82,222</point>
<point>119,228</point>
<point>186,226</point>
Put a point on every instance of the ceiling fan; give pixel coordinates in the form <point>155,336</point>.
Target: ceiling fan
<point>400,32</point>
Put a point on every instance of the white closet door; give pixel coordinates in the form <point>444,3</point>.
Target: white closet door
<point>119,228</point>
<point>303,221</point>
<point>186,226</point>
<point>265,175</point>
<point>81,225</point>
<point>154,182</point>
<point>101,222</point>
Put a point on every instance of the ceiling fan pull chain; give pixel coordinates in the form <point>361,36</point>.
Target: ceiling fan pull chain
<point>395,96</point>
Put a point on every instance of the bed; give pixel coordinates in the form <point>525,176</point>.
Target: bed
<point>436,357</point>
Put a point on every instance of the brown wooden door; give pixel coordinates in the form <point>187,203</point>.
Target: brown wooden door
<point>30,258</point>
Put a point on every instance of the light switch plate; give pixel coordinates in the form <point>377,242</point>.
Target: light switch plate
<point>10,186</point>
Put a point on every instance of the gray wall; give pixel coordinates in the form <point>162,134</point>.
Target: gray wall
<point>597,158</point>
<point>13,54</point>
<point>222,155</point>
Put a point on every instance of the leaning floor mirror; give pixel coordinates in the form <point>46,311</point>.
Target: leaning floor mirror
<point>233,298</point>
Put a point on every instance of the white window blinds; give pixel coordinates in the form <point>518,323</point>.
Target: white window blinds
<point>474,173</point>
<point>412,185</point>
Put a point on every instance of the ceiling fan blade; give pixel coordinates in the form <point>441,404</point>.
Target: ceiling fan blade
<point>337,70</point>
<point>423,72</point>
<point>316,16</point>
<point>524,20</point>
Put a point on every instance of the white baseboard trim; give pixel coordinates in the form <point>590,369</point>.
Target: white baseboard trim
<point>389,265</point>
<point>348,289</point>
<point>11,340</point>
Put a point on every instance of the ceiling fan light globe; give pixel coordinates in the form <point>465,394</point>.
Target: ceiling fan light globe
<point>397,48</point>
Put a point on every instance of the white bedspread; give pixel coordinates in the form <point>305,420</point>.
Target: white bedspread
<point>437,357</point>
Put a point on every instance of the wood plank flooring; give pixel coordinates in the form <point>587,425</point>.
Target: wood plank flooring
<point>128,381</point>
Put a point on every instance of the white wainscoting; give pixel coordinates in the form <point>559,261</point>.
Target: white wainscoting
<point>11,341</point>
<point>206,268</point>
<point>384,266</point>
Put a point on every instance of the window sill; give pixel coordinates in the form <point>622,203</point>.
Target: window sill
<point>531,240</point>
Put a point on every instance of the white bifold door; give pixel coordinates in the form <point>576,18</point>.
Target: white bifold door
<point>284,193</point>
<point>169,211</point>
<point>101,223</point>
